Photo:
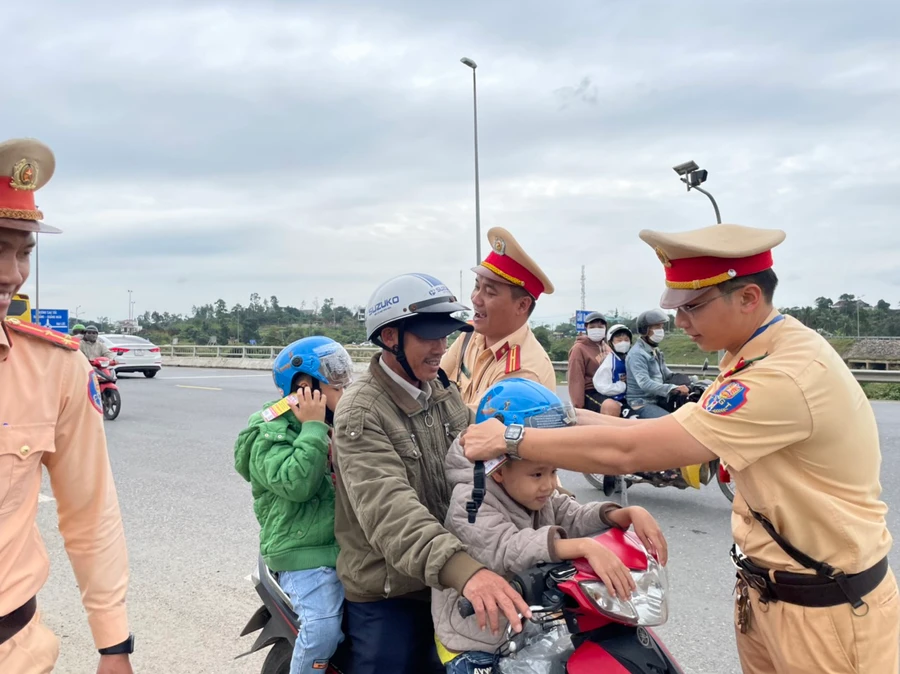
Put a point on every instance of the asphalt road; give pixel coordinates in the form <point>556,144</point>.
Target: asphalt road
<point>193,539</point>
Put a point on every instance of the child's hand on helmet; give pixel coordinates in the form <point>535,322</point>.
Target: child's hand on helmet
<point>310,405</point>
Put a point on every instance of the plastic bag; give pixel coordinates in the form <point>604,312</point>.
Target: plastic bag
<point>544,653</point>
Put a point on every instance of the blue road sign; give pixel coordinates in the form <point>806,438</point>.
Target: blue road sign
<point>55,319</point>
<point>579,319</point>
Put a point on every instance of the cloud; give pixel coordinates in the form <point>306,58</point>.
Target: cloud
<point>312,149</point>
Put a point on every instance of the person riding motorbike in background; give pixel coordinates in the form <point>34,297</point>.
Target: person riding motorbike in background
<point>92,347</point>
<point>610,378</point>
<point>585,357</point>
<point>648,376</point>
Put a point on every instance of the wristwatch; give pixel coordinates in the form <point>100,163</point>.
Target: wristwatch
<point>124,648</point>
<point>513,436</point>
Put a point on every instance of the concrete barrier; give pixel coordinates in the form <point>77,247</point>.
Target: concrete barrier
<point>262,358</point>
<point>221,363</point>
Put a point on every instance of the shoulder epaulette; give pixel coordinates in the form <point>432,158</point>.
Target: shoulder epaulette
<point>52,336</point>
<point>514,359</point>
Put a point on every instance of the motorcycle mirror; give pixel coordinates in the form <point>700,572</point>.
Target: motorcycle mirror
<point>705,365</point>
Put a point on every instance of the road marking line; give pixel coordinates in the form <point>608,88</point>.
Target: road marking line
<point>44,499</point>
<point>198,388</point>
<point>217,376</point>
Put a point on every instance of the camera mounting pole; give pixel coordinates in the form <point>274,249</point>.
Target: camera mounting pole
<point>693,176</point>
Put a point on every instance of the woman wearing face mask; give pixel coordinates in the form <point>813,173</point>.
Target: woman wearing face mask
<point>585,357</point>
<point>609,380</point>
<point>647,371</point>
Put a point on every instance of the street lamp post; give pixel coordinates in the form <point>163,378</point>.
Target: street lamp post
<point>471,64</point>
<point>858,302</point>
<point>130,304</point>
<point>37,279</point>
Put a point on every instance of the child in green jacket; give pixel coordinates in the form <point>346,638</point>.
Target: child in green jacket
<point>285,455</point>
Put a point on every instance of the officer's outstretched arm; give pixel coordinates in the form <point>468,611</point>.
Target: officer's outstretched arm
<point>651,444</point>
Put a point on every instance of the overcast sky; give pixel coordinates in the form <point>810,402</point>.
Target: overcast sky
<point>313,149</point>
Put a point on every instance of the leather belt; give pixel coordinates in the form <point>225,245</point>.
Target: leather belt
<point>12,623</point>
<point>807,589</point>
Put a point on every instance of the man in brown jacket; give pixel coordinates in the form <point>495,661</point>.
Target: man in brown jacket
<point>392,430</point>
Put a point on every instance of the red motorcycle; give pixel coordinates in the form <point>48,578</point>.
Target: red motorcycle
<point>107,398</point>
<point>602,633</point>
<point>569,603</point>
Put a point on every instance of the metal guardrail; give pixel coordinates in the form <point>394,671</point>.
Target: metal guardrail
<point>364,353</point>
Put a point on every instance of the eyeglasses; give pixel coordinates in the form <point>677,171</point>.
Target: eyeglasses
<point>691,309</point>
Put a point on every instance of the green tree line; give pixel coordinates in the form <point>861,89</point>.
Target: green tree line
<point>267,322</point>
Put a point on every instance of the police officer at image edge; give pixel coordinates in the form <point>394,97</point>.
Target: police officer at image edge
<point>50,415</point>
<point>794,427</point>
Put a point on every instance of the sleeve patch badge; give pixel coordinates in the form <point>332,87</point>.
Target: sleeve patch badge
<point>94,392</point>
<point>728,399</point>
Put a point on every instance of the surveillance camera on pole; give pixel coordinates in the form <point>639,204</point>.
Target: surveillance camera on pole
<point>693,176</point>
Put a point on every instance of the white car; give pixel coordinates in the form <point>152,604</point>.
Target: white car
<point>134,354</point>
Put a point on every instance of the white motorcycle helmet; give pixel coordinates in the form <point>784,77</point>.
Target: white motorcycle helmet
<point>420,304</point>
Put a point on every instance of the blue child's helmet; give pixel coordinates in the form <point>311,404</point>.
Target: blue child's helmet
<point>521,401</point>
<point>321,358</point>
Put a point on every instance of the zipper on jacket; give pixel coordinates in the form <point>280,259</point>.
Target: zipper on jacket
<point>387,584</point>
<point>417,452</point>
<point>447,430</point>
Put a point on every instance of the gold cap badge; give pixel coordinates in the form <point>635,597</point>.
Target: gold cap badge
<point>24,175</point>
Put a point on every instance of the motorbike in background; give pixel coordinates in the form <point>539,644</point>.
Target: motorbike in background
<point>110,398</point>
<point>705,473</point>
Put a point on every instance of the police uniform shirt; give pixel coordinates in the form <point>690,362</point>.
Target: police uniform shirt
<point>800,439</point>
<point>519,355</point>
<point>51,415</point>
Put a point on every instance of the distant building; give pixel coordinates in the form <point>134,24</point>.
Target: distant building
<point>129,326</point>
<point>844,304</point>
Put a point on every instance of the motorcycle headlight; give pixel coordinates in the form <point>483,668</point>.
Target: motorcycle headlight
<point>648,605</point>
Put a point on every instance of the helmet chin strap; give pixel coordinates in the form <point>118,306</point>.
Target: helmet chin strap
<point>399,353</point>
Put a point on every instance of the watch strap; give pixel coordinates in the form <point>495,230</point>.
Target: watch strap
<point>124,648</point>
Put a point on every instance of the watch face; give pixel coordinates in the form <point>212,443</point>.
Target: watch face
<point>513,432</point>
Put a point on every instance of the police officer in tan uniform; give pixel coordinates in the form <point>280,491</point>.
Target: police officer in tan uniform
<point>815,592</point>
<point>507,286</point>
<point>50,416</point>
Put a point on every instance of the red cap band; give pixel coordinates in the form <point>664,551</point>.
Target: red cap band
<point>507,268</point>
<point>13,199</point>
<point>703,272</point>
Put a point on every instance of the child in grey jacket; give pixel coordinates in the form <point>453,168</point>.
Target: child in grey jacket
<point>522,522</point>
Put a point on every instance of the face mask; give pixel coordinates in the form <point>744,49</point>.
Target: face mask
<point>622,347</point>
<point>657,336</point>
<point>596,334</point>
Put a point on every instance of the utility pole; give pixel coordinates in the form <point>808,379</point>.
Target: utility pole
<point>130,304</point>
<point>583,307</point>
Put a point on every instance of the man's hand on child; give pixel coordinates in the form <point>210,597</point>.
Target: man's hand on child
<point>646,528</point>
<point>310,406</point>
<point>614,574</point>
<point>489,592</point>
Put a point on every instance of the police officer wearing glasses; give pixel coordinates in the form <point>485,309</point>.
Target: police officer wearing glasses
<point>815,592</point>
